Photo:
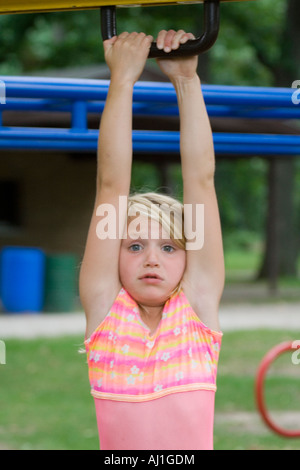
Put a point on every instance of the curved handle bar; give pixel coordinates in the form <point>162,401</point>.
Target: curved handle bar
<point>190,48</point>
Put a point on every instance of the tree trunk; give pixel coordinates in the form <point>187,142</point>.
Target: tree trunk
<point>281,249</point>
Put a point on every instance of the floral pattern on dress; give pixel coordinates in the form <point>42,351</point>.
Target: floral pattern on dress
<point>124,360</point>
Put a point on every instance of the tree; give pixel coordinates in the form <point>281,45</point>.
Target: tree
<point>257,45</point>
<point>269,37</point>
<point>281,241</point>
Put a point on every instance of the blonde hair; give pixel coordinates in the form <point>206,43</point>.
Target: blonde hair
<point>164,209</point>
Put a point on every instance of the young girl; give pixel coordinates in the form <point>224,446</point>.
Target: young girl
<point>151,304</point>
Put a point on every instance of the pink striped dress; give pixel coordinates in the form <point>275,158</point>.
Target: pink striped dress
<point>153,392</point>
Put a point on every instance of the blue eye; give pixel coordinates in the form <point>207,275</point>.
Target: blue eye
<point>135,247</point>
<point>168,248</point>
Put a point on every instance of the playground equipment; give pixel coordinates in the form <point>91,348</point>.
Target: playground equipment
<point>108,18</point>
<point>267,361</point>
<point>81,97</point>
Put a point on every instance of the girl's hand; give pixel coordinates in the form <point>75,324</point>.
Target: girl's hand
<point>177,68</point>
<point>126,56</point>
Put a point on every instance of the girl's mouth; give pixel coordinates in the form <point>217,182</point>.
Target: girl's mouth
<point>151,278</point>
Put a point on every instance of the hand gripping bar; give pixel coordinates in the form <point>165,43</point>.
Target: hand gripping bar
<point>190,48</point>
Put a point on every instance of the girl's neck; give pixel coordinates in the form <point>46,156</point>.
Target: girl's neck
<point>151,316</point>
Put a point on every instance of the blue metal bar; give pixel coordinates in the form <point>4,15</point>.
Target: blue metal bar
<point>79,115</point>
<point>152,109</point>
<point>32,104</point>
<point>146,91</point>
<point>253,113</point>
<point>147,141</point>
<point>80,97</point>
<point>149,98</point>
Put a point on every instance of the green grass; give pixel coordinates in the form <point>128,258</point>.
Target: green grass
<point>242,260</point>
<point>46,403</point>
<point>242,267</point>
<point>240,357</point>
<point>244,263</point>
<point>45,396</point>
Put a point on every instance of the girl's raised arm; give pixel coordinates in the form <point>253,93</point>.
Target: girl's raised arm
<point>99,276</point>
<point>203,281</point>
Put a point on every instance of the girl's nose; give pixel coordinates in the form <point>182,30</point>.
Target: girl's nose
<point>151,259</point>
<point>151,263</point>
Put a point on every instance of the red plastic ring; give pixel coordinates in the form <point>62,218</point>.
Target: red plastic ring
<point>259,388</point>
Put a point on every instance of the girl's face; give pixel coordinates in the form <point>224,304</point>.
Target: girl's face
<point>150,265</point>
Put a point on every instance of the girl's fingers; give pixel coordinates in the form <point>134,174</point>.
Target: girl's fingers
<point>186,37</point>
<point>123,35</point>
<point>108,44</point>
<point>142,39</point>
<point>147,41</point>
<point>111,42</point>
<point>149,38</point>
<point>179,38</point>
<point>137,40</point>
<point>160,42</point>
<point>171,40</point>
<point>134,38</point>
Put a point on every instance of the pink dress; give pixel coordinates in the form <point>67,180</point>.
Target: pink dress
<point>153,392</point>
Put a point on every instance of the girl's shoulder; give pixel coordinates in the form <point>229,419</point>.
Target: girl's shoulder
<point>203,306</point>
<point>101,307</point>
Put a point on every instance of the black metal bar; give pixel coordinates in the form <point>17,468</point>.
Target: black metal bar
<point>192,47</point>
<point>108,22</point>
<point>201,44</point>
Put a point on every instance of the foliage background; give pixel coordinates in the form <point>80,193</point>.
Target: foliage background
<point>249,51</point>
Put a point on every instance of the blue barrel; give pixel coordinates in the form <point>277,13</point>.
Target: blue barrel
<point>22,279</point>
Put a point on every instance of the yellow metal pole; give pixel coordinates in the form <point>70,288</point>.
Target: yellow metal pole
<point>30,6</point>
